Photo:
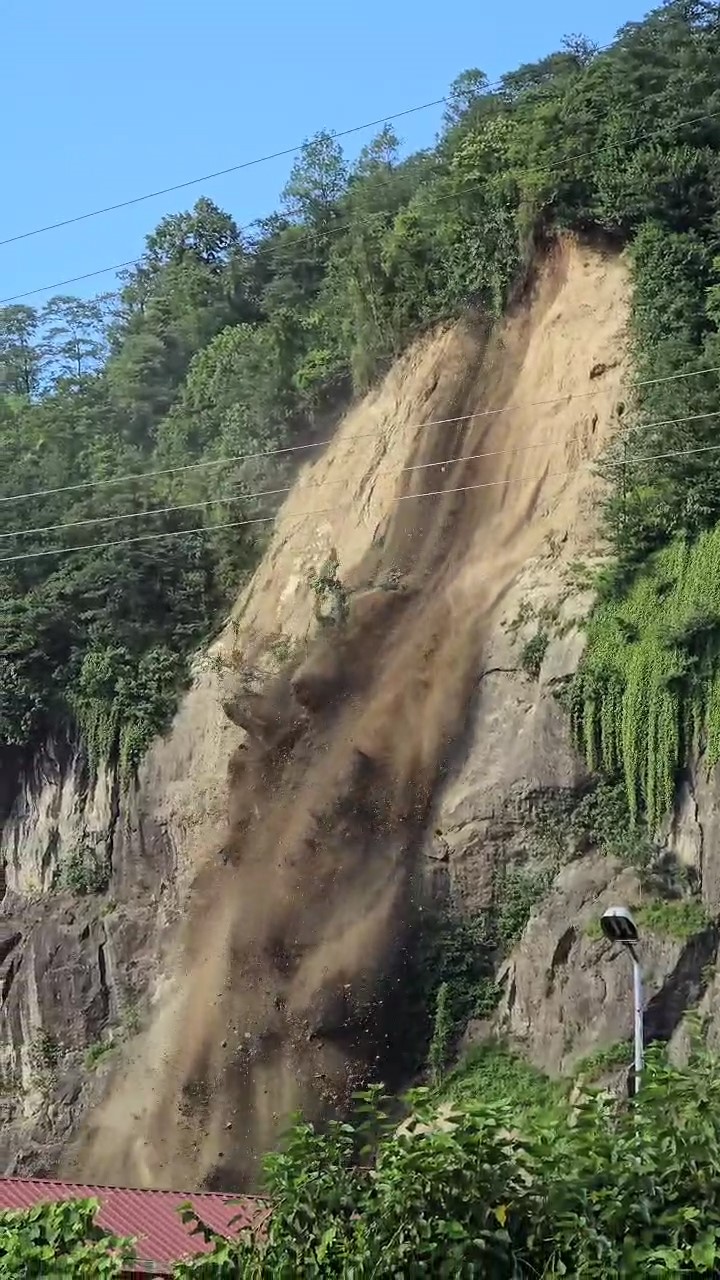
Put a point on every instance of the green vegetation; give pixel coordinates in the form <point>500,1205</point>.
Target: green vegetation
<point>601,1061</point>
<point>677,918</point>
<point>680,918</point>
<point>331,598</point>
<point>44,1054</point>
<point>442,1036</point>
<point>96,1052</point>
<point>452,976</point>
<point>531,657</point>
<point>85,871</point>
<point>60,1240</point>
<point>518,890</point>
<point>492,1074</point>
<point>504,1176</point>
<point>649,689</point>
<point>482,1188</point>
<point>602,818</point>
<point>453,955</point>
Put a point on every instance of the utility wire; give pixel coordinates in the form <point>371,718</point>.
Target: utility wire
<point>209,177</point>
<point>319,444</point>
<point>407,497</point>
<point>560,169</point>
<point>382,471</point>
<point>342,226</point>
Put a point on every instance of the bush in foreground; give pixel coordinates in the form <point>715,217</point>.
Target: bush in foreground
<point>596,1187</point>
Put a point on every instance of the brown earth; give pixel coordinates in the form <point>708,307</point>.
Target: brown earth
<point>285,979</point>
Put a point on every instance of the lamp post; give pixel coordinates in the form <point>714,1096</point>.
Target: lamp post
<point>618,925</point>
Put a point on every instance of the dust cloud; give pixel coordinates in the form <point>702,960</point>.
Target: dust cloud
<point>285,979</point>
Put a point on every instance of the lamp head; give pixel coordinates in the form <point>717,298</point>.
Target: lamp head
<point>618,925</point>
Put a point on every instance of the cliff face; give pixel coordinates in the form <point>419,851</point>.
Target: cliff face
<point>75,964</point>
<point>314,787</point>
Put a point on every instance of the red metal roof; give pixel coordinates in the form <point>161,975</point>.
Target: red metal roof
<point>151,1218</point>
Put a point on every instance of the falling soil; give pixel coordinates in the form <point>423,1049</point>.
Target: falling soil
<point>285,980</point>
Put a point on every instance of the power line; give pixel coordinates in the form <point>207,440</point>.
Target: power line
<point>342,226</point>
<point>320,444</point>
<point>415,466</point>
<point>209,177</point>
<point>60,284</point>
<point>407,497</point>
<point>559,169</point>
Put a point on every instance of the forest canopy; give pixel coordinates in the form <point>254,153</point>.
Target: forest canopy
<point>221,343</point>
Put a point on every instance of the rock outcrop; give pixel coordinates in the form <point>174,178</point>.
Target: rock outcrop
<point>89,889</point>
<point>260,878</point>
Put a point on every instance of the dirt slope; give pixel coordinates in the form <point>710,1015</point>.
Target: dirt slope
<point>284,983</point>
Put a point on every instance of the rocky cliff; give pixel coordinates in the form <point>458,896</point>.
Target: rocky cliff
<point>185,965</point>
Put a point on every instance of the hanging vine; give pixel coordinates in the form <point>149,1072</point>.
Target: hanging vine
<point>648,690</point>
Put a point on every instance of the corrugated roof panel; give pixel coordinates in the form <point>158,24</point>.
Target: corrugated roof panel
<point>150,1217</point>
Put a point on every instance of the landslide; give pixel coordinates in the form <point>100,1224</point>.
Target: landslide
<point>284,982</point>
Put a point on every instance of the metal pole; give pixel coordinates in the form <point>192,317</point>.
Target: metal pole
<point>639,1028</point>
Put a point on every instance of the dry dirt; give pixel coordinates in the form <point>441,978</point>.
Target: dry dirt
<point>284,980</point>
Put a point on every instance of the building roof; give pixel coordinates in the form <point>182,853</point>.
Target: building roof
<point>151,1218</point>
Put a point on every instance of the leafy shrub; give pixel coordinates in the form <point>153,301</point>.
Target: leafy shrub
<point>501,1174</point>
<point>483,1186</point>
<point>518,890</point>
<point>679,919</point>
<point>44,1052</point>
<point>86,870</point>
<point>492,1073</point>
<point>602,818</point>
<point>533,653</point>
<point>454,952</point>
<point>96,1052</point>
<point>443,1028</point>
<point>600,1061</point>
<point>331,598</point>
<point>487,997</point>
<point>60,1240</point>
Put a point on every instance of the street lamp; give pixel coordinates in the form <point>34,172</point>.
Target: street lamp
<point>618,925</point>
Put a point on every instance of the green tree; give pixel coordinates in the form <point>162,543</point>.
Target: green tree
<point>317,181</point>
<point>74,335</point>
<point>206,234</point>
<point>20,351</point>
<point>463,96</point>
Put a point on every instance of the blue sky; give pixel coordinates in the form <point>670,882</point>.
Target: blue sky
<point>108,99</point>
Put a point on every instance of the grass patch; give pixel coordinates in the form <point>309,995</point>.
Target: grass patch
<point>97,1052</point>
<point>600,1061</point>
<point>680,918</point>
<point>491,1073</point>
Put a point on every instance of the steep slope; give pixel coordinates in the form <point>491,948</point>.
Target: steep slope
<point>282,987</point>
